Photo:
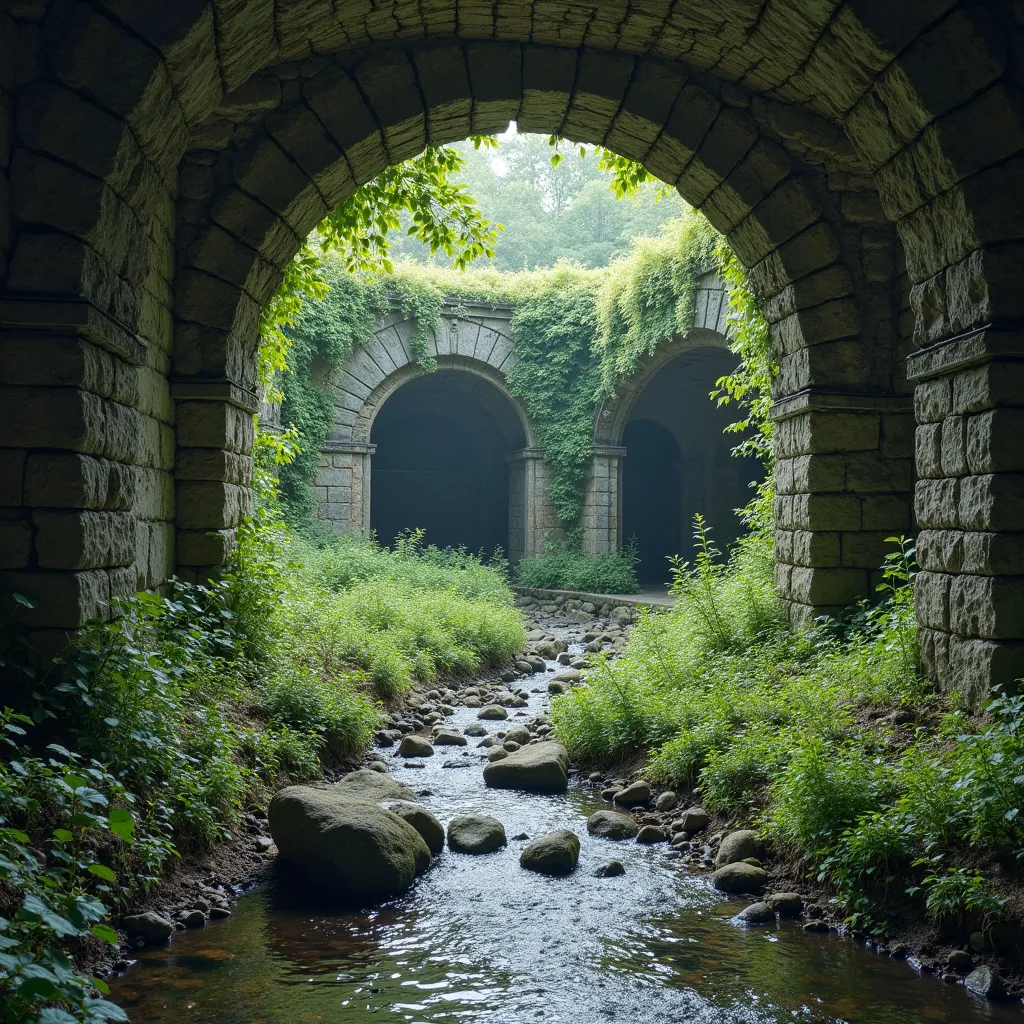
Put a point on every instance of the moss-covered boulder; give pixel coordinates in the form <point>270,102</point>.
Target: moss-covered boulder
<point>372,787</point>
<point>740,877</point>
<point>475,833</point>
<point>612,825</point>
<point>343,841</point>
<point>737,846</point>
<point>554,854</point>
<point>422,820</point>
<point>538,768</point>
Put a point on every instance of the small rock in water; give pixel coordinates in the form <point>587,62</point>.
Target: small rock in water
<point>520,837</point>
<point>610,869</point>
<point>555,687</point>
<point>595,777</point>
<point>609,793</point>
<point>518,734</point>
<point>493,712</point>
<point>786,904</point>
<point>415,746</point>
<point>816,926</point>
<point>651,834</point>
<point>899,951</point>
<point>564,658</point>
<point>611,825</point>
<point>475,833</point>
<point>634,795</point>
<point>194,919</point>
<point>422,820</point>
<point>456,763</point>
<point>219,913</point>
<point>497,754</point>
<point>150,926</point>
<point>666,801</point>
<point>525,668</point>
<point>757,913</point>
<point>377,766</point>
<point>983,981</point>
<point>739,877</point>
<point>959,961</point>
<point>475,729</point>
<point>449,738</point>
<point>554,854</point>
<point>414,764</point>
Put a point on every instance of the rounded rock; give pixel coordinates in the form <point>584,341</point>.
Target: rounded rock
<point>415,746</point>
<point>651,834</point>
<point>737,846</point>
<point>422,820</point>
<point>666,801</point>
<point>757,913</point>
<point>634,795</point>
<point>610,869</point>
<point>739,877</point>
<point>475,833</point>
<point>554,854</point>
<point>493,712</point>
<point>612,825</point>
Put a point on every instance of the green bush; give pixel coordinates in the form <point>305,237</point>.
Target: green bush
<point>592,574</point>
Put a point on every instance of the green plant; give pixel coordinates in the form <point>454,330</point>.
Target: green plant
<point>957,892</point>
<point>613,573</point>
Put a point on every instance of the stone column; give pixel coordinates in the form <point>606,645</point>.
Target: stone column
<point>843,479</point>
<point>540,525</point>
<point>86,452</point>
<point>602,502</point>
<point>342,486</point>
<point>213,469</point>
<point>969,500</point>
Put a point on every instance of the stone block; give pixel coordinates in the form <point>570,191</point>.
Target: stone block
<point>889,512</point>
<point>817,473</point>
<point>995,441</point>
<point>937,503</point>
<point>933,400</point>
<point>976,665</point>
<point>931,597</point>
<point>828,588</point>
<point>84,540</point>
<point>161,558</point>
<point>997,554</point>
<point>864,549</point>
<point>815,549</point>
<point>928,451</point>
<point>991,607</point>
<point>15,543</point>
<point>933,645</point>
<point>214,424</point>
<point>898,435</point>
<point>213,464</point>
<point>870,471</point>
<point>824,432</point>
<point>942,550</point>
<point>66,481</point>
<point>43,360</point>
<point>63,599</point>
<point>202,548</point>
<point>954,446</point>
<point>123,584</point>
<point>12,475</point>
<point>992,501</point>
<point>990,386</point>
<point>44,417</point>
<point>210,505</point>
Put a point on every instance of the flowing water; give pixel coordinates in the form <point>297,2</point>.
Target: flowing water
<point>478,939</point>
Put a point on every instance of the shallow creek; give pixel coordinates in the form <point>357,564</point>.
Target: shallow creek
<point>479,939</point>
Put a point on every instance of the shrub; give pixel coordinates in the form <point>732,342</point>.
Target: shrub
<point>613,573</point>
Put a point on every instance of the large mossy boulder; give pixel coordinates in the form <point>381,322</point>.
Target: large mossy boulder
<point>538,768</point>
<point>340,839</point>
<point>372,787</point>
<point>554,854</point>
<point>612,825</point>
<point>740,877</point>
<point>422,820</point>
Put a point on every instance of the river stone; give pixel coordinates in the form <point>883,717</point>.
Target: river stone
<point>475,833</point>
<point>634,794</point>
<point>497,754</point>
<point>525,668</point>
<point>372,787</point>
<point>536,768</point>
<point>609,792</point>
<point>739,877</point>
<point>492,711</point>
<point>666,801</point>
<point>422,820</point>
<point>449,738</point>
<point>959,961</point>
<point>737,846</point>
<point>757,913</point>
<point>651,834</point>
<point>611,825</point>
<point>610,869</point>
<point>337,838</point>
<point>511,746</point>
<point>149,926</point>
<point>694,819</point>
<point>518,734</point>
<point>555,687</point>
<point>475,729</point>
<point>571,676</point>
<point>983,981</point>
<point>415,746</point>
<point>554,854</point>
<point>194,919</point>
<point>786,904</point>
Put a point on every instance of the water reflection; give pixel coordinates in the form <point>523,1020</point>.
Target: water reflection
<point>478,939</point>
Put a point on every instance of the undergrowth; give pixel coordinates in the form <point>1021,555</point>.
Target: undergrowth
<point>154,731</point>
<point>613,573</point>
<point>828,740</point>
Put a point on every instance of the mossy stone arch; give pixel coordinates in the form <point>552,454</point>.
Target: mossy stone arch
<point>160,164</point>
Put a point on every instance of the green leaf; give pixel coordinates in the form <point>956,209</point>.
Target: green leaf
<point>63,835</point>
<point>106,933</point>
<point>102,871</point>
<point>121,823</point>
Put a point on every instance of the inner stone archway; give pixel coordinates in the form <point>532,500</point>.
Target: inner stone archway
<point>679,462</point>
<point>441,444</point>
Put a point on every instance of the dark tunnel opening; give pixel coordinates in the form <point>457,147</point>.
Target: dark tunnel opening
<point>679,462</point>
<point>440,462</point>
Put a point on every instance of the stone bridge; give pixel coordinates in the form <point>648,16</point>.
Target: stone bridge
<point>452,451</point>
<point>160,163</point>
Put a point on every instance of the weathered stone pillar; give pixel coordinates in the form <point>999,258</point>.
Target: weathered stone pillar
<point>532,520</point>
<point>969,501</point>
<point>843,478</point>
<point>602,502</point>
<point>213,469</point>
<point>342,486</point>
<point>86,452</point>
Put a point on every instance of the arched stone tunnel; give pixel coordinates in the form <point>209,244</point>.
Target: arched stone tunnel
<point>159,165</point>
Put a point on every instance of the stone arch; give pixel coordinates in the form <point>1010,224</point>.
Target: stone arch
<point>804,130</point>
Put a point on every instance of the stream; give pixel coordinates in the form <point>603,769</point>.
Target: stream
<point>477,938</point>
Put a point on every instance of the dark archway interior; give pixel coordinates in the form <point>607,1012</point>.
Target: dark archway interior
<point>440,462</point>
<point>679,462</point>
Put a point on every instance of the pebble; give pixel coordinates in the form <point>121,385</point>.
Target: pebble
<point>193,919</point>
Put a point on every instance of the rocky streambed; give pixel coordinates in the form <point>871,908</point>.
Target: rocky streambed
<point>503,888</point>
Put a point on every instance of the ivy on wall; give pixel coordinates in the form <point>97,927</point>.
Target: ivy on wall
<point>576,332</point>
